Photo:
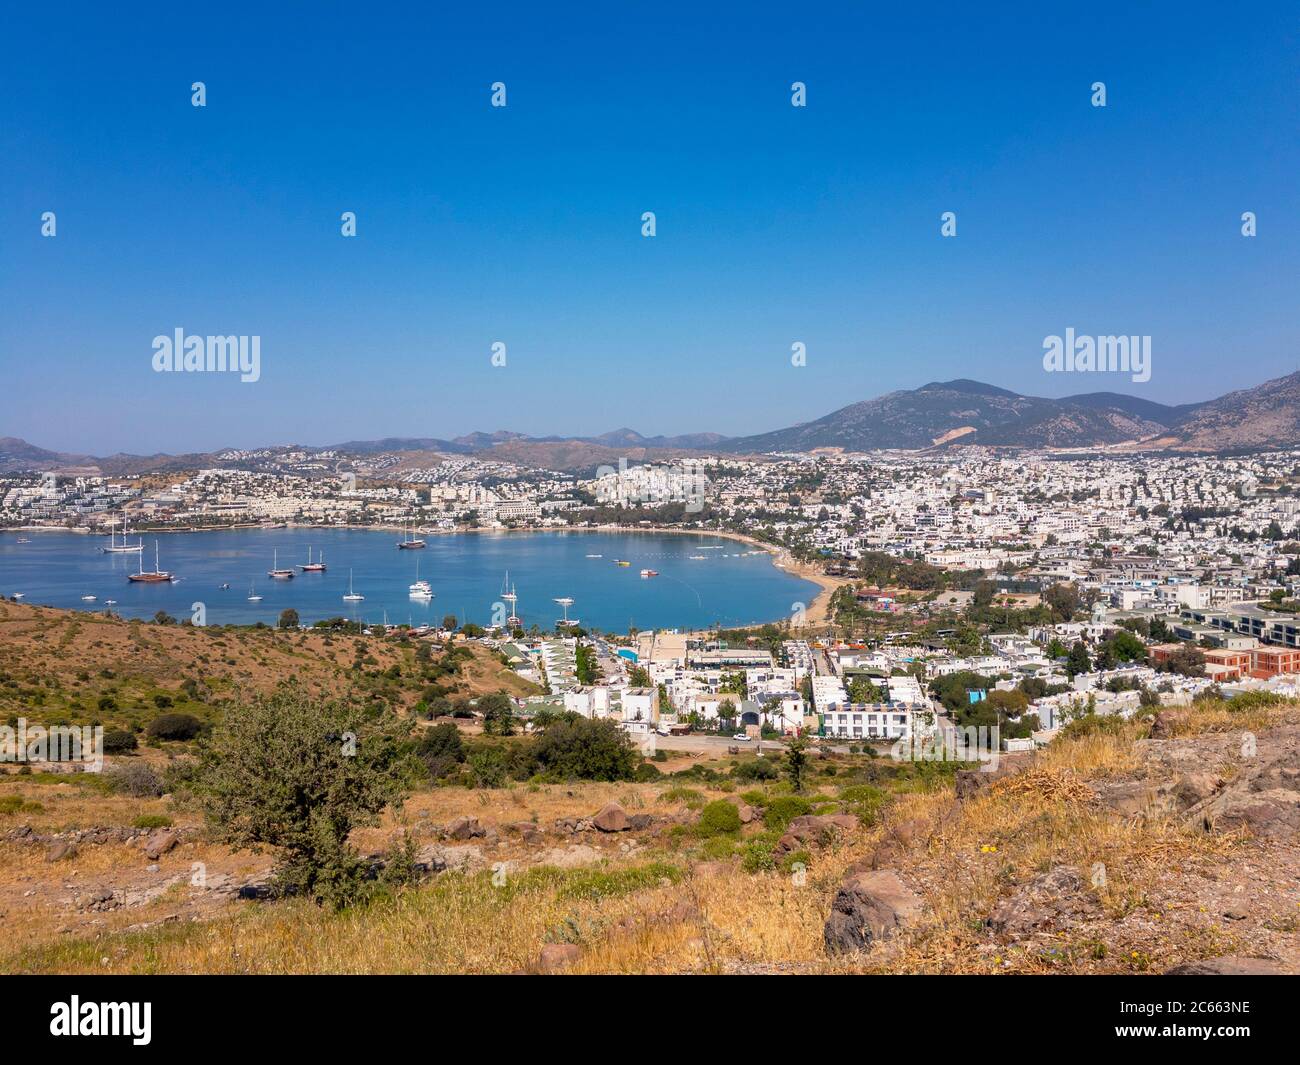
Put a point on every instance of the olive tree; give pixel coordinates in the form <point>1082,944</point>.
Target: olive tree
<point>298,773</point>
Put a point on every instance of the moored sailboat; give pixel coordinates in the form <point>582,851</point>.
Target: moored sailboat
<point>158,576</point>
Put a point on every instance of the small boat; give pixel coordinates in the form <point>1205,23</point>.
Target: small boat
<point>352,597</point>
<point>410,543</point>
<point>23,540</point>
<point>595,556</point>
<point>253,597</point>
<point>275,572</point>
<point>313,567</point>
<point>225,588</point>
<point>621,562</point>
<point>88,598</point>
<point>420,589</point>
<point>158,576</point>
<point>110,602</point>
<point>700,558</point>
<point>114,548</point>
<point>20,595</point>
<point>649,573</point>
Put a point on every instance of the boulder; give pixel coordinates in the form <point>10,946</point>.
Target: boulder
<point>1166,723</point>
<point>160,843</point>
<point>463,828</point>
<point>812,830</point>
<point>1057,897</point>
<point>867,908</point>
<point>60,849</point>
<point>611,818</point>
<point>526,830</point>
<point>747,812</point>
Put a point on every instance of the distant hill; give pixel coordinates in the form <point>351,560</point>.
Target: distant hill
<point>938,414</point>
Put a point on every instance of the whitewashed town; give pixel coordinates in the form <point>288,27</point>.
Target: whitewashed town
<point>1046,586</point>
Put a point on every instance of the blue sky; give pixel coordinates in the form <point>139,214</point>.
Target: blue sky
<point>522,224</point>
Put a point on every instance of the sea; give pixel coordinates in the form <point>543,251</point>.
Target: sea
<point>701,581</point>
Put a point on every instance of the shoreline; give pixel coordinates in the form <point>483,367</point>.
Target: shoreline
<point>815,612</point>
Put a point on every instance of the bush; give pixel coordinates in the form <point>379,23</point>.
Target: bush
<point>756,769</point>
<point>441,749</point>
<point>718,818</point>
<point>487,766</point>
<point>119,741</point>
<point>152,821</point>
<point>757,856</point>
<point>782,809</point>
<point>136,779</point>
<point>174,727</point>
<point>585,750</point>
<point>278,772</point>
<point>646,772</point>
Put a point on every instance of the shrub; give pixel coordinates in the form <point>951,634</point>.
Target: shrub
<point>756,769</point>
<point>718,818</point>
<point>136,779</point>
<point>152,821</point>
<point>487,766</point>
<point>441,749</point>
<point>279,773</point>
<point>757,856</point>
<point>174,726</point>
<point>16,804</point>
<point>646,772</point>
<point>584,749</point>
<point>782,809</point>
<point>118,741</point>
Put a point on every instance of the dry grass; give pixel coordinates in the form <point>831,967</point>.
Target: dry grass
<point>719,918</point>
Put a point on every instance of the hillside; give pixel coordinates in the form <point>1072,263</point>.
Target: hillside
<point>1123,848</point>
<point>59,664</point>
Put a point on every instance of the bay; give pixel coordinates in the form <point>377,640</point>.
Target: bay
<point>731,584</point>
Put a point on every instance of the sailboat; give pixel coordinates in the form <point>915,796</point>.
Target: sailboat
<point>411,542</point>
<point>420,589</point>
<point>124,548</point>
<point>275,572</point>
<point>509,595</point>
<point>313,567</point>
<point>158,576</point>
<point>352,597</point>
<point>253,597</point>
<point>566,621</point>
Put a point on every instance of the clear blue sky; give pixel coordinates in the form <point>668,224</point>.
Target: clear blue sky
<point>522,224</point>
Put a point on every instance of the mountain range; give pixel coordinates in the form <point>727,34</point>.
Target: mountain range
<point>941,414</point>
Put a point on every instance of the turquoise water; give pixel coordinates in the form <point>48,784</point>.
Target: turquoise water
<point>466,573</point>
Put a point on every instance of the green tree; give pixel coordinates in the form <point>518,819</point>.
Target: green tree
<point>796,763</point>
<point>298,774</point>
<point>498,714</point>
<point>289,618</point>
<point>1078,661</point>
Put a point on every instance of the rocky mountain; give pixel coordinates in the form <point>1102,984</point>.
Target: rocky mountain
<point>1265,416</point>
<point>959,412</point>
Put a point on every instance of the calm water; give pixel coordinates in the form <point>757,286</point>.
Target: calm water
<point>465,571</point>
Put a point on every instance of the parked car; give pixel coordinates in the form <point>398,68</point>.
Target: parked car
<point>740,736</point>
